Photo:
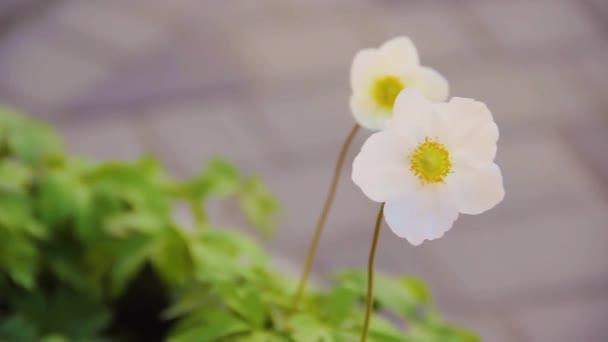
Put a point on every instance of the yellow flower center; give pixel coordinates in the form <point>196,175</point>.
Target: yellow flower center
<point>385,91</point>
<point>430,162</point>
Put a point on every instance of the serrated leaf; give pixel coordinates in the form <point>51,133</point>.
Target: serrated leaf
<point>14,176</point>
<point>340,302</point>
<point>131,254</point>
<point>32,141</point>
<point>217,326</point>
<point>306,328</point>
<point>59,198</point>
<point>259,205</point>
<point>246,301</point>
<point>390,293</point>
<point>418,289</point>
<point>17,328</point>
<point>171,257</point>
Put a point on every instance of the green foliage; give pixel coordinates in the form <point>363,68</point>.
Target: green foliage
<point>92,252</point>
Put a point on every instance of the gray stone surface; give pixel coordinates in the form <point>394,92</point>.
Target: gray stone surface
<point>265,84</point>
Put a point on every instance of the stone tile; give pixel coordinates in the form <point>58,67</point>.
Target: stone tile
<point>120,31</point>
<point>543,171</point>
<point>526,97</point>
<point>491,328</point>
<point>187,68</point>
<point>594,67</point>
<point>302,187</point>
<point>526,26</point>
<point>279,50</point>
<point>579,320</point>
<point>589,141</point>
<point>187,134</point>
<point>305,119</point>
<point>47,73</point>
<point>111,136</point>
<point>516,262</point>
<point>439,30</point>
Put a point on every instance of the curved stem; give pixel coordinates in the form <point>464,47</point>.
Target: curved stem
<point>370,275</point>
<point>312,249</point>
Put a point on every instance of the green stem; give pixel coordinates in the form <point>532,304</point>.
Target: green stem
<point>312,249</point>
<point>370,275</point>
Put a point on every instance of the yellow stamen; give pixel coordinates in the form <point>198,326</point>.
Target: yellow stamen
<point>385,91</point>
<point>430,162</point>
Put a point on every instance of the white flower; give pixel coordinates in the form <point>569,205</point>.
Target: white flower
<point>377,76</point>
<point>432,162</point>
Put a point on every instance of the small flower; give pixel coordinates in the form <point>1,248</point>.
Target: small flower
<point>432,162</point>
<point>378,75</point>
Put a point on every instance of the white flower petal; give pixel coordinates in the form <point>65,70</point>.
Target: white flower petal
<point>472,131</point>
<point>431,84</point>
<point>366,113</point>
<point>419,219</point>
<point>365,69</point>
<point>413,116</point>
<point>401,54</point>
<point>381,169</point>
<point>475,187</point>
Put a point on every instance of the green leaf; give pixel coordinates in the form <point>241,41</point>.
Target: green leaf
<point>19,257</point>
<point>418,289</point>
<point>188,300</point>
<point>306,328</point>
<point>246,301</point>
<point>14,176</point>
<point>262,336</point>
<point>59,198</point>
<point>218,325</point>
<point>124,224</point>
<point>259,205</point>
<point>65,313</point>
<point>171,257</point>
<point>222,178</point>
<point>381,330</point>
<point>340,302</point>
<point>131,255</point>
<point>16,215</point>
<point>54,338</point>
<point>17,328</point>
<point>434,329</point>
<point>395,295</point>
<point>32,142</point>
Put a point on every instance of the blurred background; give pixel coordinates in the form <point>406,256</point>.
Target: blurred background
<point>265,84</point>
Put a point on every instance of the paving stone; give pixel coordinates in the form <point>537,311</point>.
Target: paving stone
<point>309,118</point>
<point>47,73</point>
<point>526,97</point>
<point>534,26</point>
<point>278,50</point>
<point>187,68</point>
<point>116,27</point>
<point>594,71</point>
<point>579,320</point>
<point>189,133</point>
<point>543,171</point>
<point>491,328</point>
<point>518,261</point>
<point>439,30</point>
<point>105,137</point>
<point>302,190</point>
<point>590,141</point>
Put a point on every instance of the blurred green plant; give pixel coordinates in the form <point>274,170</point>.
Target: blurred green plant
<point>92,252</point>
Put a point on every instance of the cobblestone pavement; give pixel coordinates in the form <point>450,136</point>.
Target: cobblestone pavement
<point>265,83</point>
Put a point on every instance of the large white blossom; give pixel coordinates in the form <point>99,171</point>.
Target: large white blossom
<point>432,162</point>
<point>378,75</point>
